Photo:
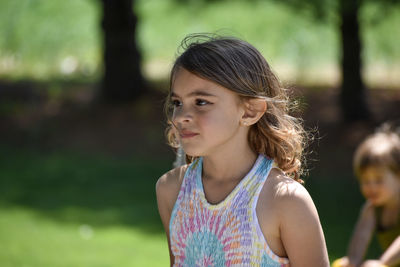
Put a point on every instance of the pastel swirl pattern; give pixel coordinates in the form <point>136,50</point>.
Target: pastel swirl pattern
<point>224,234</point>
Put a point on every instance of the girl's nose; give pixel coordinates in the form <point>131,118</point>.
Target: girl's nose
<point>182,115</point>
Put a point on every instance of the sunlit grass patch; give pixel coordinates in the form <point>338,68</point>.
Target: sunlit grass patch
<point>67,208</point>
<point>27,238</point>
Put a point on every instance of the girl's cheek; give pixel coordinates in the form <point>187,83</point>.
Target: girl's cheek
<point>207,116</point>
<point>202,120</point>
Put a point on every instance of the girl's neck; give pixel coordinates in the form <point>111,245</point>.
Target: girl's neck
<point>228,166</point>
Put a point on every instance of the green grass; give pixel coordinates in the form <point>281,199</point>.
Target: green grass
<point>69,209</point>
<point>29,238</point>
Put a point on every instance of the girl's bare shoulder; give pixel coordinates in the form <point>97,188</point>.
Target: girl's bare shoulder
<point>286,193</point>
<point>168,184</point>
<point>282,186</point>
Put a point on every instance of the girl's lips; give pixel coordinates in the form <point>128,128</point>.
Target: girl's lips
<point>187,134</point>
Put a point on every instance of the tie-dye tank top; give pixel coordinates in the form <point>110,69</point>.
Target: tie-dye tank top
<point>224,234</point>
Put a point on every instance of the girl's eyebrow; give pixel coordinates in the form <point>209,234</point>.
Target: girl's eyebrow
<point>194,93</point>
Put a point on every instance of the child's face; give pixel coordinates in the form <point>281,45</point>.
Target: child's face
<point>206,115</point>
<point>379,185</point>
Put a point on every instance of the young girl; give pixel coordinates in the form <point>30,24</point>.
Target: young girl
<point>239,201</point>
<point>377,165</point>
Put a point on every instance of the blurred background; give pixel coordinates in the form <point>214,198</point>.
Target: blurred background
<point>82,85</point>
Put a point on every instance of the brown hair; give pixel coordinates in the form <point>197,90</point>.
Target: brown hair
<point>381,149</point>
<point>240,67</point>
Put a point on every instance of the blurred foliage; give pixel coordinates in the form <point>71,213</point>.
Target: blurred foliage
<point>275,29</point>
<point>381,33</point>
<point>42,39</point>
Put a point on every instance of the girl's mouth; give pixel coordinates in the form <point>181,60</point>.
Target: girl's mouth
<point>187,134</point>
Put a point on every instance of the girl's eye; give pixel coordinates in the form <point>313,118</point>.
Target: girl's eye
<point>176,103</point>
<point>201,102</point>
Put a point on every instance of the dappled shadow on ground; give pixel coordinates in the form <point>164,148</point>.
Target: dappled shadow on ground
<point>73,119</point>
<point>72,159</point>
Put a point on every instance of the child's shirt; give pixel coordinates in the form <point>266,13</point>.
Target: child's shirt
<point>224,234</point>
<point>386,236</point>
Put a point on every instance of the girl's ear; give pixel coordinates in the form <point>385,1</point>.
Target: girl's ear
<point>254,109</point>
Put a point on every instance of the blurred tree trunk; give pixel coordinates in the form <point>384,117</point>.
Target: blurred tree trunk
<point>123,80</point>
<point>353,93</point>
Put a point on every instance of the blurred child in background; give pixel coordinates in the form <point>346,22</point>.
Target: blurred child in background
<point>377,166</point>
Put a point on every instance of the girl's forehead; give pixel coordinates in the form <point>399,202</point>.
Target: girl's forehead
<point>186,83</point>
<point>184,79</point>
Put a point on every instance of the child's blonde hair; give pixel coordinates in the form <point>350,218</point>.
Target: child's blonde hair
<point>239,67</point>
<point>381,149</point>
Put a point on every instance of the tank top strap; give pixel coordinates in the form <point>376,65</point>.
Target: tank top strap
<point>191,174</point>
<point>258,176</point>
<point>188,187</point>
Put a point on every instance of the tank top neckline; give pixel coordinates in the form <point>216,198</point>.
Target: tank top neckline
<point>233,193</point>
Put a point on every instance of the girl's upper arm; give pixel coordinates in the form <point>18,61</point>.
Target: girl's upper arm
<point>300,228</point>
<point>162,192</point>
<point>167,189</point>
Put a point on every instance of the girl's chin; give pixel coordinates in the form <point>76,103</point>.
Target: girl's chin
<point>191,153</point>
<point>193,150</point>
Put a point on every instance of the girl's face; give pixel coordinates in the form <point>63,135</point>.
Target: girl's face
<point>379,185</point>
<point>206,115</point>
